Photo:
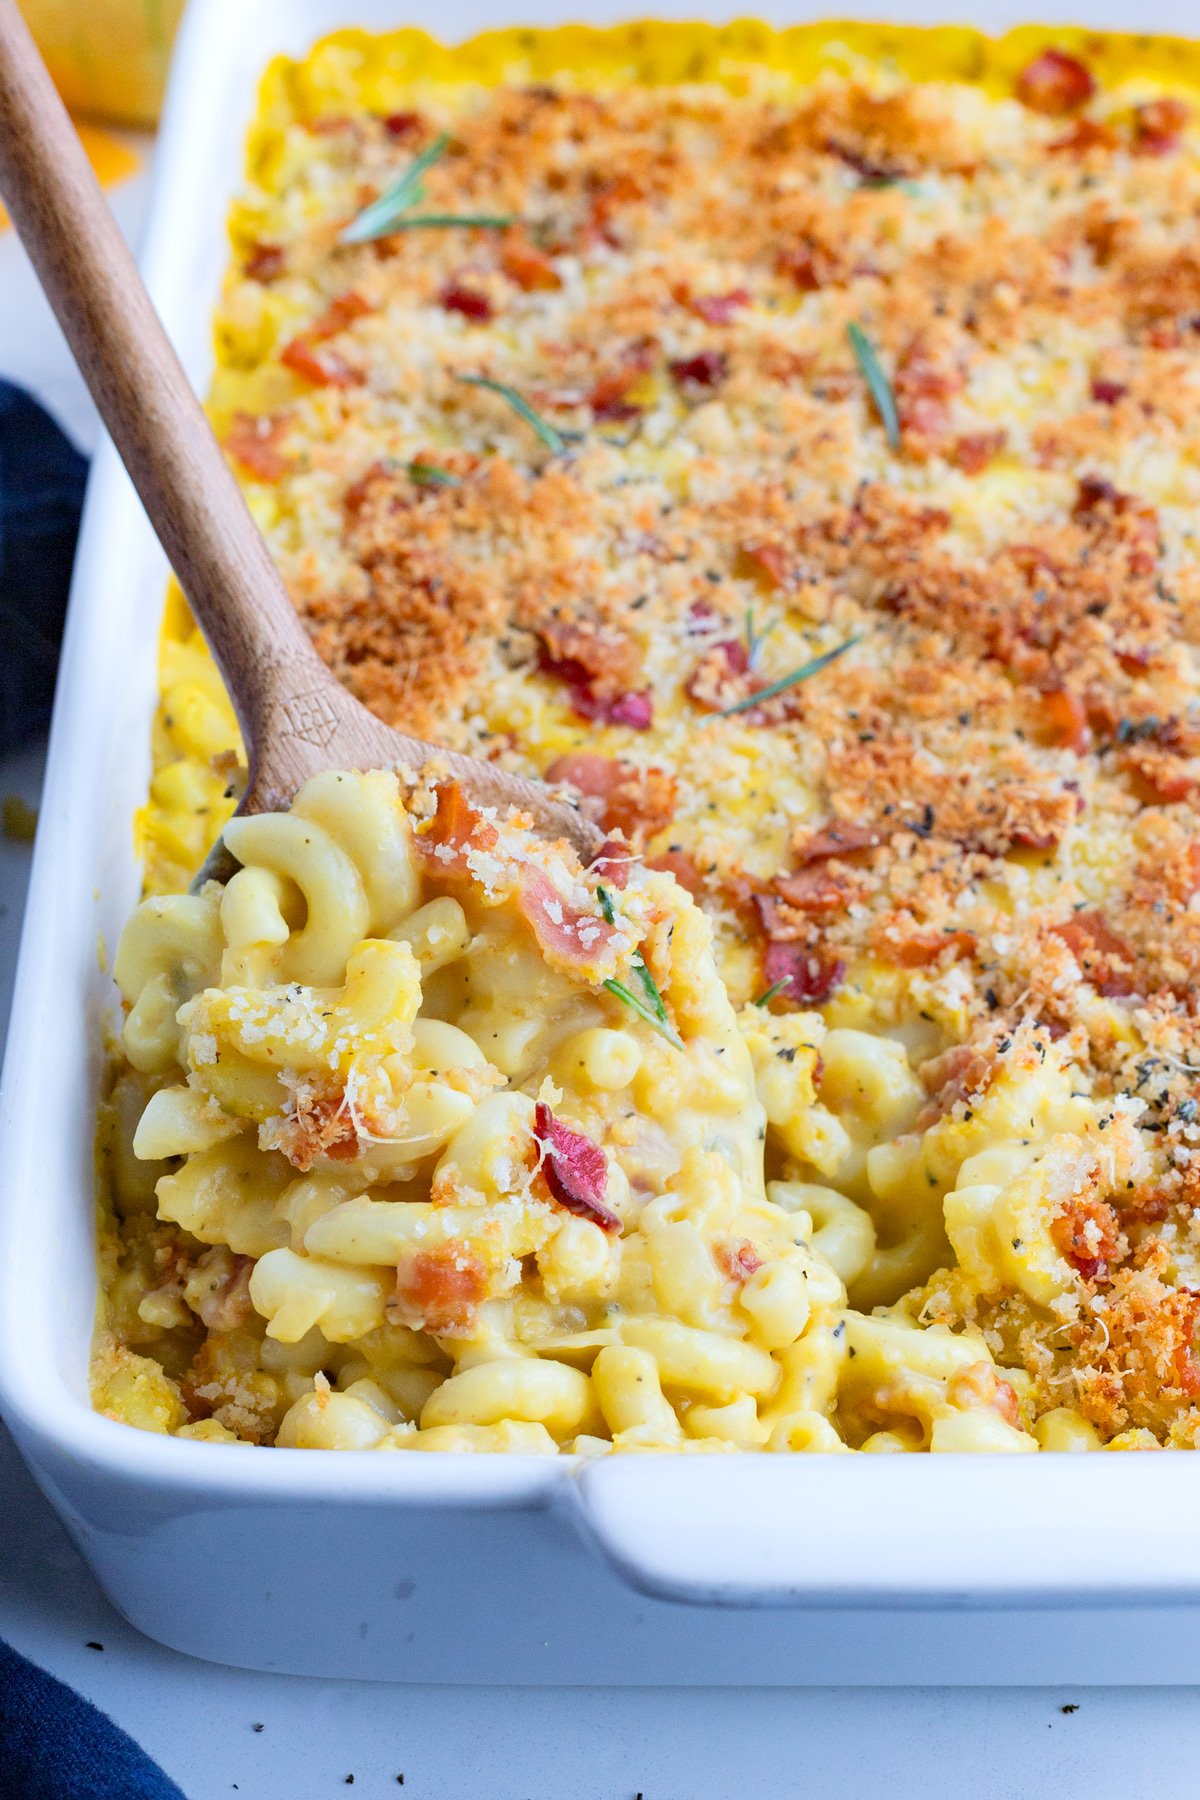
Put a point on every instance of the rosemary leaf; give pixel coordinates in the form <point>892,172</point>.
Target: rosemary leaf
<point>776,987</point>
<point>878,385</point>
<point>790,681</point>
<point>429,475</point>
<point>756,639</point>
<point>636,962</point>
<point>475,221</point>
<point>662,1026</point>
<point>553,440</point>
<point>380,218</point>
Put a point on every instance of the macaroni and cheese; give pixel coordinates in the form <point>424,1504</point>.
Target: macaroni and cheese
<point>787,443</point>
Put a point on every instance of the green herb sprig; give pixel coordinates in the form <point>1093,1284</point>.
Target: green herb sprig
<point>790,681</point>
<point>378,219</point>
<point>878,385</point>
<point>652,1009</point>
<point>553,440</point>
<point>430,475</point>
<point>776,987</point>
<point>755,639</point>
<point>393,209</point>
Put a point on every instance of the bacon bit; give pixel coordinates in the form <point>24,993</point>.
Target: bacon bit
<point>613,862</point>
<point>925,947</point>
<point>1162,776</point>
<point>1099,502</point>
<point>980,1384</point>
<point>717,678</point>
<point>574,1169</point>
<point>254,442</point>
<point>635,710</point>
<point>1158,125</point>
<point>1088,1233</point>
<point>637,802</point>
<point>439,1290</point>
<point>840,837</point>
<point>321,1126</point>
<point>809,268</point>
<point>705,370</point>
<point>1107,393</point>
<point>1065,720</point>
<point>923,386</point>
<point>340,313</point>
<point>607,398</point>
<point>1085,135</point>
<point>683,867</point>
<point>1093,492</point>
<point>403,124</point>
<point>715,309</point>
<point>265,262</point>
<point>973,452</point>
<point>229,1305</point>
<point>326,370</point>
<point>810,980</point>
<point>768,564</point>
<point>812,889</point>
<point>737,1261</point>
<point>468,301</point>
<point>454,831</point>
<point>1055,83</point>
<point>528,268</point>
<point>1105,959</point>
<point>564,934</point>
<point>624,190</point>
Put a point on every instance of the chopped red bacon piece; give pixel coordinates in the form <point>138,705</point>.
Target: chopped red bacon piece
<point>924,385</point>
<point>1088,1234</point>
<point>454,831</point>
<point>718,309</point>
<point>636,710</point>
<point>707,369</point>
<point>528,268</point>
<point>574,1169</point>
<point>403,124</point>
<point>808,267</point>
<point>1065,720</point>
<point>340,313</point>
<point>840,837</point>
<point>1085,135</point>
<point>1158,125</point>
<point>255,443</point>
<point>738,1261</point>
<point>1107,393</point>
<point>1055,83</point>
<point>809,979</point>
<point>981,1385</point>
<point>925,947</point>
<point>613,861</point>
<point>608,400</point>
<point>439,1290</point>
<point>637,802</point>
<point>717,679</point>
<point>812,889</point>
<point>683,867</point>
<point>565,935</point>
<point>1093,492</point>
<point>265,262</point>
<point>768,564</point>
<point>974,451</point>
<point>1105,959</point>
<point>473,305</point>
<point>326,369</point>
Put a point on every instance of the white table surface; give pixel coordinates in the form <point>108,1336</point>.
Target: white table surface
<point>221,1731</point>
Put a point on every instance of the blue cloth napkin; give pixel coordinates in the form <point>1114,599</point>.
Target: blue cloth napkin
<point>55,1745</point>
<point>41,494</point>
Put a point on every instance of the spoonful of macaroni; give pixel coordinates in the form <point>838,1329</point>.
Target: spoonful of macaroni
<point>296,718</point>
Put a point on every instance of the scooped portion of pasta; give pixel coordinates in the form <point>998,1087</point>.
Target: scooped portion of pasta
<point>425,1137</point>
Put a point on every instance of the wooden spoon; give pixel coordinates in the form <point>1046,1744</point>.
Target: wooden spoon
<point>296,718</point>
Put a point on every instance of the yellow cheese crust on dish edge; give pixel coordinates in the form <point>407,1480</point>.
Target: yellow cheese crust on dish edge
<point>789,443</point>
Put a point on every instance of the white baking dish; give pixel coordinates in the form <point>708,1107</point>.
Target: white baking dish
<point>481,1568</point>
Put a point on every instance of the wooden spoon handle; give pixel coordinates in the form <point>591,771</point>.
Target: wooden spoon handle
<point>136,380</point>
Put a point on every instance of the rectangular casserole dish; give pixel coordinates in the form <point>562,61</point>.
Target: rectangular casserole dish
<point>447,1568</point>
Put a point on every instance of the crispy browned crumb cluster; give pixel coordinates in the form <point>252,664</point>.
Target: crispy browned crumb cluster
<point>975,829</point>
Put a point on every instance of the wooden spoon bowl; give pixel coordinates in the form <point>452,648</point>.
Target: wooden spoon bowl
<point>295,717</point>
